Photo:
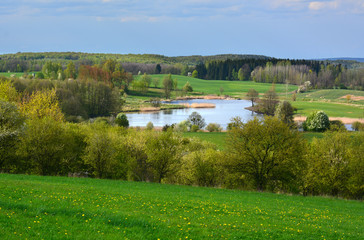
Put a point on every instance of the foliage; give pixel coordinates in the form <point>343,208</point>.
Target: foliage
<point>42,146</point>
<point>194,74</point>
<point>357,126</point>
<point>168,85</point>
<point>42,104</point>
<point>334,161</point>
<point>284,112</point>
<point>149,126</point>
<point>163,154</point>
<point>158,69</point>
<point>11,127</point>
<point>196,119</point>
<point>269,103</point>
<point>8,92</point>
<point>121,120</point>
<point>187,87</point>
<point>156,102</point>
<point>316,121</point>
<point>183,126</point>
<point>267,151</point>
<point>213,127</point>
<point>252,95</point>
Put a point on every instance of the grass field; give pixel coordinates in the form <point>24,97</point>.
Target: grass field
<point>233,88</point>
<point>331,109</point>
<point>33,207</point>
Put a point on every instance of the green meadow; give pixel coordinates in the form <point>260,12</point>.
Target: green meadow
<point>35,207</point>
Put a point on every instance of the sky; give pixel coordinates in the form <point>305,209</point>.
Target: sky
<point>296,29</point>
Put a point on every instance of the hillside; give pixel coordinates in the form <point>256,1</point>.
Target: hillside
<point>126,58</point>
<point>36,207</point>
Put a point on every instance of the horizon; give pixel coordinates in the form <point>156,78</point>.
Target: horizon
<point>289,29</point>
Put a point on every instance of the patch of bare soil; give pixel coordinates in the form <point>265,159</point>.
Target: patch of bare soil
<point>345,120</point>
<point>353,97</point>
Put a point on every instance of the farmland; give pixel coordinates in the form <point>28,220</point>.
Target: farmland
<point>35,207</point>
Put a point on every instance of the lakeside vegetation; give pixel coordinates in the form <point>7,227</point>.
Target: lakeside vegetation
<point>35,207</point>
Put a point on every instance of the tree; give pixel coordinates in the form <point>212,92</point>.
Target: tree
<point>146,79</point>
<point>11,126</point>
<point>121,120</point>
<point>158,69</point>
<point>8,92</point>
<point>168,85</point>
<point>163,154</point>
<point>194,74</point>
<point>267,151</point>
<point>100,151</point>
<point>70,71</point>
<point>284,112</point>
<point>43,146</point>
<point>187,87</point>
<point>196,119</point>
<point>317,121</point>
<point>252,95</point>
<point>329,159</point>
<point>42,104</point>
<point>269,102</point>
<point>156,82</point>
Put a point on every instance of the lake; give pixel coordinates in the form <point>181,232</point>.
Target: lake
<point>221,114</point>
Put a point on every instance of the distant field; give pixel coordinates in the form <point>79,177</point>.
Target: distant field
<point>331,109</point>
<point>337,95</point>
<point>17,74</point>
<point>33,207</point>
<point>233,88</point>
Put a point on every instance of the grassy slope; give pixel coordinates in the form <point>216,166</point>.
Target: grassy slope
<point>57,208</point>
<point>234,88</point>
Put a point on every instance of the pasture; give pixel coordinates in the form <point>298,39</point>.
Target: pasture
<point>35,207</point>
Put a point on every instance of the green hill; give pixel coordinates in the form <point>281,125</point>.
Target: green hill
<point>33,207</point>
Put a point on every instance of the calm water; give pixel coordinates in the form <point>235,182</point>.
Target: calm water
<point>221,114</point>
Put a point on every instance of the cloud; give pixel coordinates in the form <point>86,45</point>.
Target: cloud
<point>323,5</point>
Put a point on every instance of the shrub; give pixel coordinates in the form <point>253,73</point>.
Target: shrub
<point>357,126</point>
<point>196,119</point>
<point>121,120</point>
<point>214,127</point>
<point>194,128</point>
<point>150,126</point>
<point>316,121</point>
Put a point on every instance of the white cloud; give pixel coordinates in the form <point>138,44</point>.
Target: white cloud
<point>323,5</point>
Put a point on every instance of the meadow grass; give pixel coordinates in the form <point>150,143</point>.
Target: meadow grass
<point>34,207</point>
<point>331,109</point>
<point>233,88</point>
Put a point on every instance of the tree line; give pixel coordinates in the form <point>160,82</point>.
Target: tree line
<point>262,154</point>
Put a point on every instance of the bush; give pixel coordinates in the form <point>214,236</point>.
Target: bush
<point>196,119</point>
<point>183,126</point>
<point>337,125</point>
<point>194,128</point>
<point>121,120</point>
<point>357,126</point>
<point>214,127</point>
<point>150,126</point>
<point>156,102</point>
<point>317,122</point>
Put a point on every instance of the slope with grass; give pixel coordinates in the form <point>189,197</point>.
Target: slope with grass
<point>233,88</point>
<point>33,207</point>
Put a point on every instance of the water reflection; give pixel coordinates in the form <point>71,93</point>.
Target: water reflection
<point>221,114</point>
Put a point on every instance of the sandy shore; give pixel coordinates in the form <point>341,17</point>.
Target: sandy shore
<point>345,120</point>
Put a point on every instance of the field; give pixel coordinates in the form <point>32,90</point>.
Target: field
<point>33,207</point>
<point>233,88</point>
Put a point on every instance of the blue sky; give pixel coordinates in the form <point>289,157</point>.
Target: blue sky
<point>277,28</point>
